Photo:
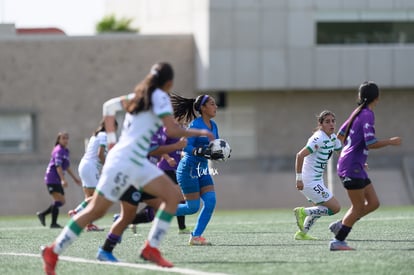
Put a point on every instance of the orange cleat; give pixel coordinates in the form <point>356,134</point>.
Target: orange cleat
<point>50,259</point>
<point>152,254</point>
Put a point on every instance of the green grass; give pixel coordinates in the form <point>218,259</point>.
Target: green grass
<point>245,242</point>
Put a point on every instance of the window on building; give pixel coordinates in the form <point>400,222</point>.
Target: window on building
<point>16,132</point>
<point>392,32</point>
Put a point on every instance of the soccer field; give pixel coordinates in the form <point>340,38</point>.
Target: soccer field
<point>244,242</point>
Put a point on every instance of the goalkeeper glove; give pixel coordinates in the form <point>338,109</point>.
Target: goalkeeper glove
<point>207,153</point>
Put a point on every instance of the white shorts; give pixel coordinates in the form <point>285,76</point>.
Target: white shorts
<point>89,172</point>
<point>316,192</point>
<point>119,175</point>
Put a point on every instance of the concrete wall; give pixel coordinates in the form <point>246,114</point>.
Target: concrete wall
<point>65,80</point>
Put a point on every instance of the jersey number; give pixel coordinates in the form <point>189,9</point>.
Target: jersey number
<point>121,179</point>
<point>318,189</point>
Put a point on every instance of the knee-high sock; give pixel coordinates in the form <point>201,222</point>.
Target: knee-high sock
<point>318,211</point>
<point>343,233</point>
<point>309,221</point>
<point>110,242</point>
<point>209,201</point>
<point>181,222</point>
<point>81,206</point>
<point>188,208</point>
<point>55,211</point>
<point>145,215</point>
<point>159,227</point>
<point>67,236</point>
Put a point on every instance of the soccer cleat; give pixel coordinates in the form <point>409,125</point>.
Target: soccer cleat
<point>152,254</point>
<point>93,228</point>
<point>50,259</point>
<point>71,213</point>
<point>198,240</point>
<point>303,236</point>
<point>335,227</point>
<point>105,256</point>
<point>55,225</point>
<point>336,245</point>
<point>184,231</point>
<point>300,217</point>
<point>116,216</point>
<point>41,218</point>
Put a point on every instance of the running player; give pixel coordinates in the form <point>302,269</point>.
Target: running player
<point>310,165</point>
<point>193,173</point>
<point>358,136</point>
<point>127,168</point>
<point>90,167</point>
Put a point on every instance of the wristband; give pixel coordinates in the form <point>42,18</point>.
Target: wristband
<point>111,137</point>
<point>298,176</point>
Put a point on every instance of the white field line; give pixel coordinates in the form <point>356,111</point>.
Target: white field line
<point>130,265</point>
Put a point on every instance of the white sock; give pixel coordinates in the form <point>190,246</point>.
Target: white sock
<point>64,240</point>
<point>158,231</point>
<point>317,211</point>
<point>309,221</point>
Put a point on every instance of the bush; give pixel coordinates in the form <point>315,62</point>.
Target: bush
<point>112,24</point>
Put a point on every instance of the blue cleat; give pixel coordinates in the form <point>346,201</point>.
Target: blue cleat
<point>105,256</point>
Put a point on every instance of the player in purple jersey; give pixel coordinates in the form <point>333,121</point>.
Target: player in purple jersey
<point>55,179</point>
<point>169,163</point>
<point>358,136</point>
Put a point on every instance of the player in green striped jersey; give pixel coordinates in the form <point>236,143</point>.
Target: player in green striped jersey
<point>310,165</point>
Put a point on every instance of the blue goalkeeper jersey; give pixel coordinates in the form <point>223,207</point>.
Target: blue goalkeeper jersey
<point>194,142</point>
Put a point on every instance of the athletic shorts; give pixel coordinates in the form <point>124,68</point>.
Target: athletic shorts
<point>316,192</point>
<point>354,183</point>
<point>134,197</point>
<point>55,188</point>
<point>172,175</point>
<point>118,176</point>
<point>192,178</point>
<point>89,172</point>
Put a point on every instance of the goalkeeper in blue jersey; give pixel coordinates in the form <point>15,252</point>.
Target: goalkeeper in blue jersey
<point>310,165</point>
<point>193,173</point>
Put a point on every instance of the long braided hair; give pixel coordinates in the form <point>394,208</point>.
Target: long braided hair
<point>185,108</point>
<point>160,74</point>
<point>367,93</point>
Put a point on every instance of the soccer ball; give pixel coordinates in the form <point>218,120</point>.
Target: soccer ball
<point>221,145</point>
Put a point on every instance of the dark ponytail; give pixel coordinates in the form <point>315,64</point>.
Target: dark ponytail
<point>158,76</point>
<point>367,93</point>
<point>184,108</point>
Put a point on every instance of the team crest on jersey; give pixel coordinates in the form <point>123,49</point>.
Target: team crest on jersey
<point>136,196</point>
<point>325,195</point>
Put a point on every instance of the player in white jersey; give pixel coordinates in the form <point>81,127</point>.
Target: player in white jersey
<point>310,165</point>
<point>127,170</point>
<point>90,168</point>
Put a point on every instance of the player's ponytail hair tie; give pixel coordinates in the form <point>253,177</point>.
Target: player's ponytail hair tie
<point>154,72</point>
